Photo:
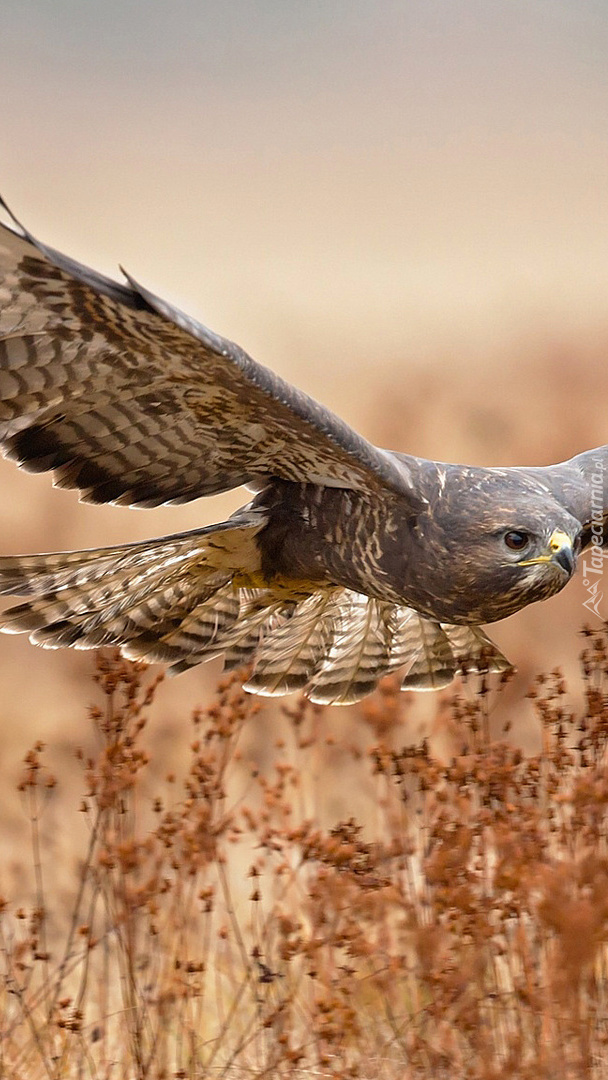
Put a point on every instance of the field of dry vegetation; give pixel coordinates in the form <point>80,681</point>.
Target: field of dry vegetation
<point>221,922</point>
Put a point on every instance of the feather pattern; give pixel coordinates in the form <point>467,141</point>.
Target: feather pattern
<point>132,402</point>
<point>474,652</point>
<point>294,648</point>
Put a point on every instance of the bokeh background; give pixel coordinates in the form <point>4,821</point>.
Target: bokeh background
<point>400,206</point>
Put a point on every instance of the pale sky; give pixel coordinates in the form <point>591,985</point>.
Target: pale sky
<point>408,173</point>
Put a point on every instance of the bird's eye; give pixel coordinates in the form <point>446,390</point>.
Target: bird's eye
<point>517,540</point>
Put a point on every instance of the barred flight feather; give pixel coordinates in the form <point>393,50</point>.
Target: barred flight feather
<point>433,664</point>
<point>291,653</point>
<point>197,637</point>
<point>476,654</point>
<point>359,653</point>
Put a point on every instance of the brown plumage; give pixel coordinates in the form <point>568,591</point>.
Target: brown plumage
<point>349,562</point>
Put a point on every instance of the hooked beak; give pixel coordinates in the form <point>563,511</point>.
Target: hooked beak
<point>559,550</point>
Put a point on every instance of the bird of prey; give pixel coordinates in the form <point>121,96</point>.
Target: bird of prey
<point>349,561</point>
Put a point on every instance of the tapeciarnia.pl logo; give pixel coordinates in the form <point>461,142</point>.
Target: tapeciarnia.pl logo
<point>593,561</point>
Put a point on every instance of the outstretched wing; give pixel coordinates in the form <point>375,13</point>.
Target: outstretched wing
<point>581,485</point>
<point>169,601</point>
<point>132,402</point>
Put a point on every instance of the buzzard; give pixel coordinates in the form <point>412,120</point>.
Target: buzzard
<point>349,561</point>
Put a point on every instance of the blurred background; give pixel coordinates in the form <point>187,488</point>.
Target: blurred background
<point>402,207</point>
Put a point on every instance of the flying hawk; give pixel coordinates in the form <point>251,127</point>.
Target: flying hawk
<point>348,563</point>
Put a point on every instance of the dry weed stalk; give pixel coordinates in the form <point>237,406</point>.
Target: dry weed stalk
<point>220,929</point>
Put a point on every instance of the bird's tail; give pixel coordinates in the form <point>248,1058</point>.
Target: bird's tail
<point>177,601</point>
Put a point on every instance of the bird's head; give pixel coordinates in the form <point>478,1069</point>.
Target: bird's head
<point>509,543</point>
<point>535,557</point>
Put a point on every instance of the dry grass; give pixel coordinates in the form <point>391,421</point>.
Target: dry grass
<point>218,928</point>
